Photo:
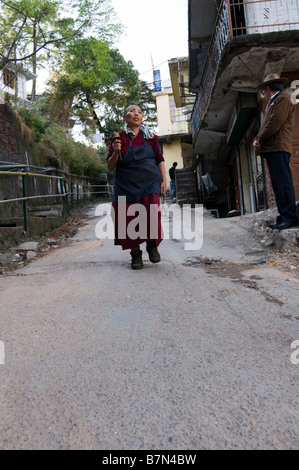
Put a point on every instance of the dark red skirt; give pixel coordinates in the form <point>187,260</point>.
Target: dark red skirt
<point>136,222</point>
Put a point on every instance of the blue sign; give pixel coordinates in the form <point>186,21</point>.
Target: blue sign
<point>157,81</point>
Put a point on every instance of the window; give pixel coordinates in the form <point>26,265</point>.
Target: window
<point>9,78</point>
<point>176,114</point>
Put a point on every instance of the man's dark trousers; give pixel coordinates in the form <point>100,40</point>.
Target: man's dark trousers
<point>282,183</point>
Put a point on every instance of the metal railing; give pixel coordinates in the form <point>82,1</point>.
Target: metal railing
<point>220,37</point>
<point>240,18</point>
<point>262,16</point>
<point>68,190</point>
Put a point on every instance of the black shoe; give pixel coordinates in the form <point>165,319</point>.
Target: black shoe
<point>277,222</point>
<point>136,262</point>
<point>284,225</point>
<point>153,253</point>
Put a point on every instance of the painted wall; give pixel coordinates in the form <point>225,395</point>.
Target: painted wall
<point>165,125</point>
<point>267,14</point>
<point>21,87</point>
<point>172,153</point>
<point>245,179</point>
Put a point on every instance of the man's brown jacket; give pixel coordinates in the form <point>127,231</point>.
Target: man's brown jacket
<point>277,126</point>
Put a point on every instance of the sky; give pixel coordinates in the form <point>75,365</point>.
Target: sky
<point>154,30</point>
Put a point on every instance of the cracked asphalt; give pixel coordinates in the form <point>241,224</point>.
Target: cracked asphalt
<point>191,353</point>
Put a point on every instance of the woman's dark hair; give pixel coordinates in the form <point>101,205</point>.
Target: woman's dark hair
<point>276,86</point>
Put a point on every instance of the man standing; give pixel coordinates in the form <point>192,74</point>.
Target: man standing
<point>172,179</point>
<point>274,141</point>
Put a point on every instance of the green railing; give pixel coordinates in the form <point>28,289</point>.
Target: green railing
<point>70,191</point>
<point>25,197</point>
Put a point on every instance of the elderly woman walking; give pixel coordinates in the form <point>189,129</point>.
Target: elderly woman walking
<point>140,180</point>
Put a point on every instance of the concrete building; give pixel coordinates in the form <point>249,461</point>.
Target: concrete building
<point>174,105</point>
<point>171,126</point>
<point>233,45</point>
<point>13,81</point>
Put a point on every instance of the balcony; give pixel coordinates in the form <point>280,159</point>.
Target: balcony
<point>238,22</point>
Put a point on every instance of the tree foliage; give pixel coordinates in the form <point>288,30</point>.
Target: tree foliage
<point>100,83</point>
<point>32,30</point>
<point>92,83</point>
<point>50,146</point>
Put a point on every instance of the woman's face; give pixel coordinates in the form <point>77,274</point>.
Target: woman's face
<point>134,116</point>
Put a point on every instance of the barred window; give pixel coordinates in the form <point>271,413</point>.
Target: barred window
<point>9,78</point>
<point>176,114</point>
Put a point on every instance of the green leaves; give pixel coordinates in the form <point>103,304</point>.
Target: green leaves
<point>29,26</point>
<point>93,83</point>
<point>101,84</point>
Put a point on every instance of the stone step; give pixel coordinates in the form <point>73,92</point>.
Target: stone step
<point>186,181</point>
<point>186,187</point>
<point>186,192</point>
<point>10,235</point>
<point>45,207</point>
<point>47,212</point>
<point>184,170</point>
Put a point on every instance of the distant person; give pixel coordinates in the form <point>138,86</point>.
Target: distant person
<point>275,143</point>
<point>172,179</point>
<point>136,156</point>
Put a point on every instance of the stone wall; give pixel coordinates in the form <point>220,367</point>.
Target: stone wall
<point>10,139</point>
<point>43,212</point>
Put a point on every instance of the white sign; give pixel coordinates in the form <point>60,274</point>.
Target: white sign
<point>295,93</point>
<point>295,354</point>
<point>2,354</point>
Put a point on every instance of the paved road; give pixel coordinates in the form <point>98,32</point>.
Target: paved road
<point>191,353</point>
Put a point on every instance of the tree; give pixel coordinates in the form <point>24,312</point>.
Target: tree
<point>101,84</point>
<point>28,27</point>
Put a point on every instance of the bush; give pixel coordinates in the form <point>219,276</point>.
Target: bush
<point>50,146</point>
<point>37,124</point>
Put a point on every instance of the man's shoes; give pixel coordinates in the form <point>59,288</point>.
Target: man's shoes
<point>283,225</point>
<point>277,222</point>
<point>136,262</point>
<point>153,253</point>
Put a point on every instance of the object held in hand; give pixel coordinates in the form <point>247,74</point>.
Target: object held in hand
<point>115,136</point>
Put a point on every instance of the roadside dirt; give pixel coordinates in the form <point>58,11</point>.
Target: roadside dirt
<point>221,268</point>
<point>13,257</point>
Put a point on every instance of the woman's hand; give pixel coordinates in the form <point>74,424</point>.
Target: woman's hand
<point>116,145</point>
<point>163,188</point>
<point>112,162</point>
<point>161,167</point>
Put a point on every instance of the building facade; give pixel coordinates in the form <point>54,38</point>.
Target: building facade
<point>173,129</point>
<point>233,45</point>
<point>13,82</point>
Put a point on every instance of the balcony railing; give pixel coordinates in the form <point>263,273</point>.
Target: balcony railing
<point>236,18</point>
<point>262,16</point>
<point>220,37</point>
